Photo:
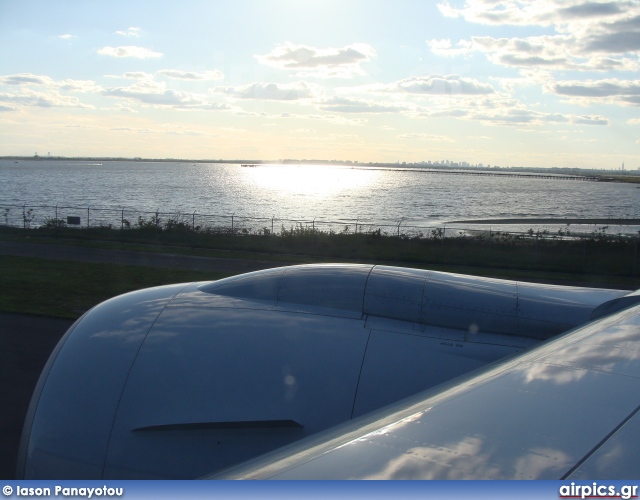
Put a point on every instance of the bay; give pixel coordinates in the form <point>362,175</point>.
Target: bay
<point>411,197</point>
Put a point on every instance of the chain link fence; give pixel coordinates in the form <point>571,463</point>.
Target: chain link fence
<point>123,218</point>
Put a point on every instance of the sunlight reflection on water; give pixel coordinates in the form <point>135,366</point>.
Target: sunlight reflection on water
<point>309,180</point>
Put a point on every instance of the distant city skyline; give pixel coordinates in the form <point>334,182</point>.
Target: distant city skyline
<point>532,83</point>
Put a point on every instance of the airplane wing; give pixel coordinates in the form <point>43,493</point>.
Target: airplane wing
<point>567,409</point>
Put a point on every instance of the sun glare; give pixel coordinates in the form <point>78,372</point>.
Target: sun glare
<point>309,180</point>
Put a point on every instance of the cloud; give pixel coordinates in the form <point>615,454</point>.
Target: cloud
<point>590,120</point>
<point>4,108</point>
<point>590,36</point>
<point>540,52</point>
<point>502,111</point>
<point>66,36</point>
<point>535,13</point>
<point>28,79</point>
<point>157,95</point>
<point>622,92</point>
<point>25,79</point>
<point>191,75</point>
<point>192,133</point>
<point>545,51</point>
<point>44,92</point>
<point>341,62</point>
<point>633,121</point>
<point>344,105</point>
<point>444,47</point>
<point>129,51</point>
<point>435,85</point>
<point>78,85</point>
<point>133,31</point>
<point>619,36</point>
<point>272,91</point>
<point>121,108</point>
<point>49,99</point>
<point>428,137</point>
<point>130,129</point>
<point>338,120</point>
<point>598,88</point>
<point>526,117</point>
<point>133,75</point>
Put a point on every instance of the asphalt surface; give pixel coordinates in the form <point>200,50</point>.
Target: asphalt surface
<point>27,341</point>
<point>132,258</point>
<point>25,345</point>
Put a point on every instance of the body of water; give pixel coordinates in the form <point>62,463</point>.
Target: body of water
<point>306,192</point>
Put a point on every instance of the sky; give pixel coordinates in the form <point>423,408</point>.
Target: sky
<point>534,83</point>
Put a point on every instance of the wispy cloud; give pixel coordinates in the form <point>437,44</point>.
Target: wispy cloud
<point>5,109</point>
<point>272,91</point>
<point>41,99</point>
<point>133,75</point>
<point>66,36</point>
<point>133,31</point>
<point>338,120</point>
<point>25,79</point>
<point>129,51</point>
<point>192,75</point>
<point>344,62</point>
<point>28,79</point>
<point>344,105</point>
<point>435,85</point>
<point>426,137</point>
<point>156,94</point>
<point>120,108</point>
<point>444,47</point>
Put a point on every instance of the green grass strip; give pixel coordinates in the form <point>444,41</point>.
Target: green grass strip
<point>66,289</point>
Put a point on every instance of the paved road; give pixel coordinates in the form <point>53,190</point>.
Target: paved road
<point>128,257</point>
<point>25,345</point>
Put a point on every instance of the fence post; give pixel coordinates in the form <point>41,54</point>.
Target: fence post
<point>193,222</point>
<point>56,222</point>
<point>122,220</point>
<point>88,215</point>
<point>635,254</point>
<point>232,227</point>
<point>272,217</point>
<point>24,216</point>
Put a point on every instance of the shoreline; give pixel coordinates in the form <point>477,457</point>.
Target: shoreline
<point>559,173</point>
<point>612,222</point>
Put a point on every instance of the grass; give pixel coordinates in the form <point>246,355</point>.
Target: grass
<point>66,289</point>
<point>599,253</point>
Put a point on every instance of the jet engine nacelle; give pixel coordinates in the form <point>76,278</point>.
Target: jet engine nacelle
<point>182,380</point>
